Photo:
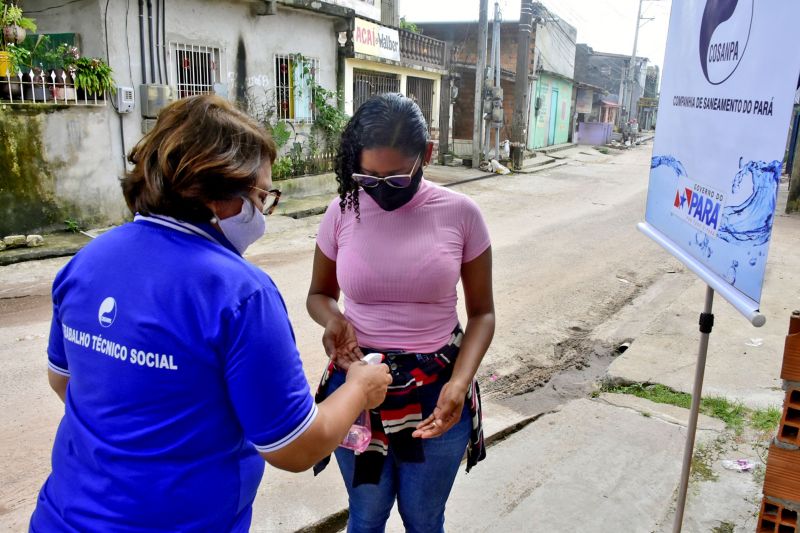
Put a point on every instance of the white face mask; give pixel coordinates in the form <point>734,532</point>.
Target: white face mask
<point>245,228</point>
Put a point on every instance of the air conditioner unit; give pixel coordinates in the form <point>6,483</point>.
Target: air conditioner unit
<point>125,99</point>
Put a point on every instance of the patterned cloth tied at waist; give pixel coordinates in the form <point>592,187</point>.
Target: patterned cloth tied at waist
<point>394,421</point>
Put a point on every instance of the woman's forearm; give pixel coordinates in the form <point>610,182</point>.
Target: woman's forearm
<point>322,308</point>
<point>336,414</point>
<point>477,338</point>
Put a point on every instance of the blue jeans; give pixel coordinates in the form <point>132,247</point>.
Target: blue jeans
<point>421,489</point>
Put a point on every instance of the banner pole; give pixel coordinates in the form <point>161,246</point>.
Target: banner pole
<point>706,324</point>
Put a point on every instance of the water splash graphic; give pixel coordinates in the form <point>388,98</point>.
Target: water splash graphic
<point>730,275</point>
<point>753,262</point>
<point>668,161</point>
<point>701,239</point>
<point>751,221</point>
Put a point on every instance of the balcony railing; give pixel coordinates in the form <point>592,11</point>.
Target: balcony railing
<point>46,88</point>
<point>418,48</point>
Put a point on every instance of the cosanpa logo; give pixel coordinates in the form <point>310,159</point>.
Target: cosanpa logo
<point>724,34</point>
<point>107,312</point>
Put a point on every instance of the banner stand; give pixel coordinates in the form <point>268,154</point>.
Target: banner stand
<point>706,324</point>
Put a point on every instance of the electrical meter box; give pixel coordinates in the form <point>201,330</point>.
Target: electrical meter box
<point>125,99</point>
<point>153,99</point>
<point>497,114</point>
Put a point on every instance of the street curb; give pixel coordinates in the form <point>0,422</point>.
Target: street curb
<point>548,151</point>
<point>35,255</point>
<point>304,213</point>
<point>338,520</point>
<point>542,168</point>
<point>468,180</point>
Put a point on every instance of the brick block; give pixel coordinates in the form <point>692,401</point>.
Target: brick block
<point>789,430</point>
<point>775,518</point>
<point>782,480</point>
<point>790,371</point>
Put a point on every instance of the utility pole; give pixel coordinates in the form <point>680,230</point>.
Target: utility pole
<point>493,91</point>
<point>519,121</point>
<point>632,68</point>
<point>480,74</point>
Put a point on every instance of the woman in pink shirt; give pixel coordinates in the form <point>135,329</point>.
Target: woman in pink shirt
<point>396,246</point>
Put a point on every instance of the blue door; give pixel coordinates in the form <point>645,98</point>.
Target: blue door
<point>551,132</point>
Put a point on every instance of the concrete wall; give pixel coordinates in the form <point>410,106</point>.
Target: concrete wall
<point>403,72</point>
<point>84,147</point>
<point>463,37</point>
<point>555,47</point>
<point>539,125</point>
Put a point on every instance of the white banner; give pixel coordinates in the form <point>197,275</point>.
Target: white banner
<point>375,40</point>
<point>730,75</point>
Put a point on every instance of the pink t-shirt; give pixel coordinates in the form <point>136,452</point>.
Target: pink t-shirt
<point>398,270</point>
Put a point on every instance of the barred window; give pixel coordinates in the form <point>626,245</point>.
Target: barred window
<point>367,83</point>
<point>197,68</point>
<point>294,75</point>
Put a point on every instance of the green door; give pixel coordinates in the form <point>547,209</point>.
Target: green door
<point>551,132</point>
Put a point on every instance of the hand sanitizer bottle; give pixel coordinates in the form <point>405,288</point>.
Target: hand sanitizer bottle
<point>360,434</point>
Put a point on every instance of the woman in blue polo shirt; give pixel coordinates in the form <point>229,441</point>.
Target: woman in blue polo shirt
<point>174,356</point>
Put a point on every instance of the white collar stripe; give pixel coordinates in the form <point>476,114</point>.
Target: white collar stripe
<point>169,222</point>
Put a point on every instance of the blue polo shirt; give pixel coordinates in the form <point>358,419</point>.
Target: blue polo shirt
<point>183,366</point>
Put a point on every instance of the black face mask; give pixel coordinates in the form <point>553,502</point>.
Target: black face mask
<point>391,198</point>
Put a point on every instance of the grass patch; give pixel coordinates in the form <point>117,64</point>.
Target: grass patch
<point>734,414</point>
<point>766,420</point>
<point>724,527</point>
<point>702,460</point>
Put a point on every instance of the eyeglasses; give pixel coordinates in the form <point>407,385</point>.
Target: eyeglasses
<point>269,199</point>
<point>398,181</point>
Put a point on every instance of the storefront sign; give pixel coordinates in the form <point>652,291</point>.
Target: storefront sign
<point>730,75</point>
<point>375,40</point>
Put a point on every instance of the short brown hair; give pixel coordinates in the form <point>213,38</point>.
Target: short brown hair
<point>201,149</point>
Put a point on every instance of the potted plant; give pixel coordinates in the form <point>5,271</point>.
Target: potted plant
<point>18,59</point>
<point>15,25</point>
<point>94,77</point>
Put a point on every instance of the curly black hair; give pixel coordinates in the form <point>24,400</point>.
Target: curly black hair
<point>388,120</point>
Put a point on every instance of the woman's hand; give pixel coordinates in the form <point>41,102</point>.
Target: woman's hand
<point>446,413</point>
<point>340,343</point>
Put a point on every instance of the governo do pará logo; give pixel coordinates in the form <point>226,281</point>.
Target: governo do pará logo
<point>724,35</point>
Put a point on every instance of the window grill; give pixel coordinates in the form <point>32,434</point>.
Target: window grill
<point>367,83</point>
<point>197,68</point>
<point>295,76</point>
<point>421,91</point>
